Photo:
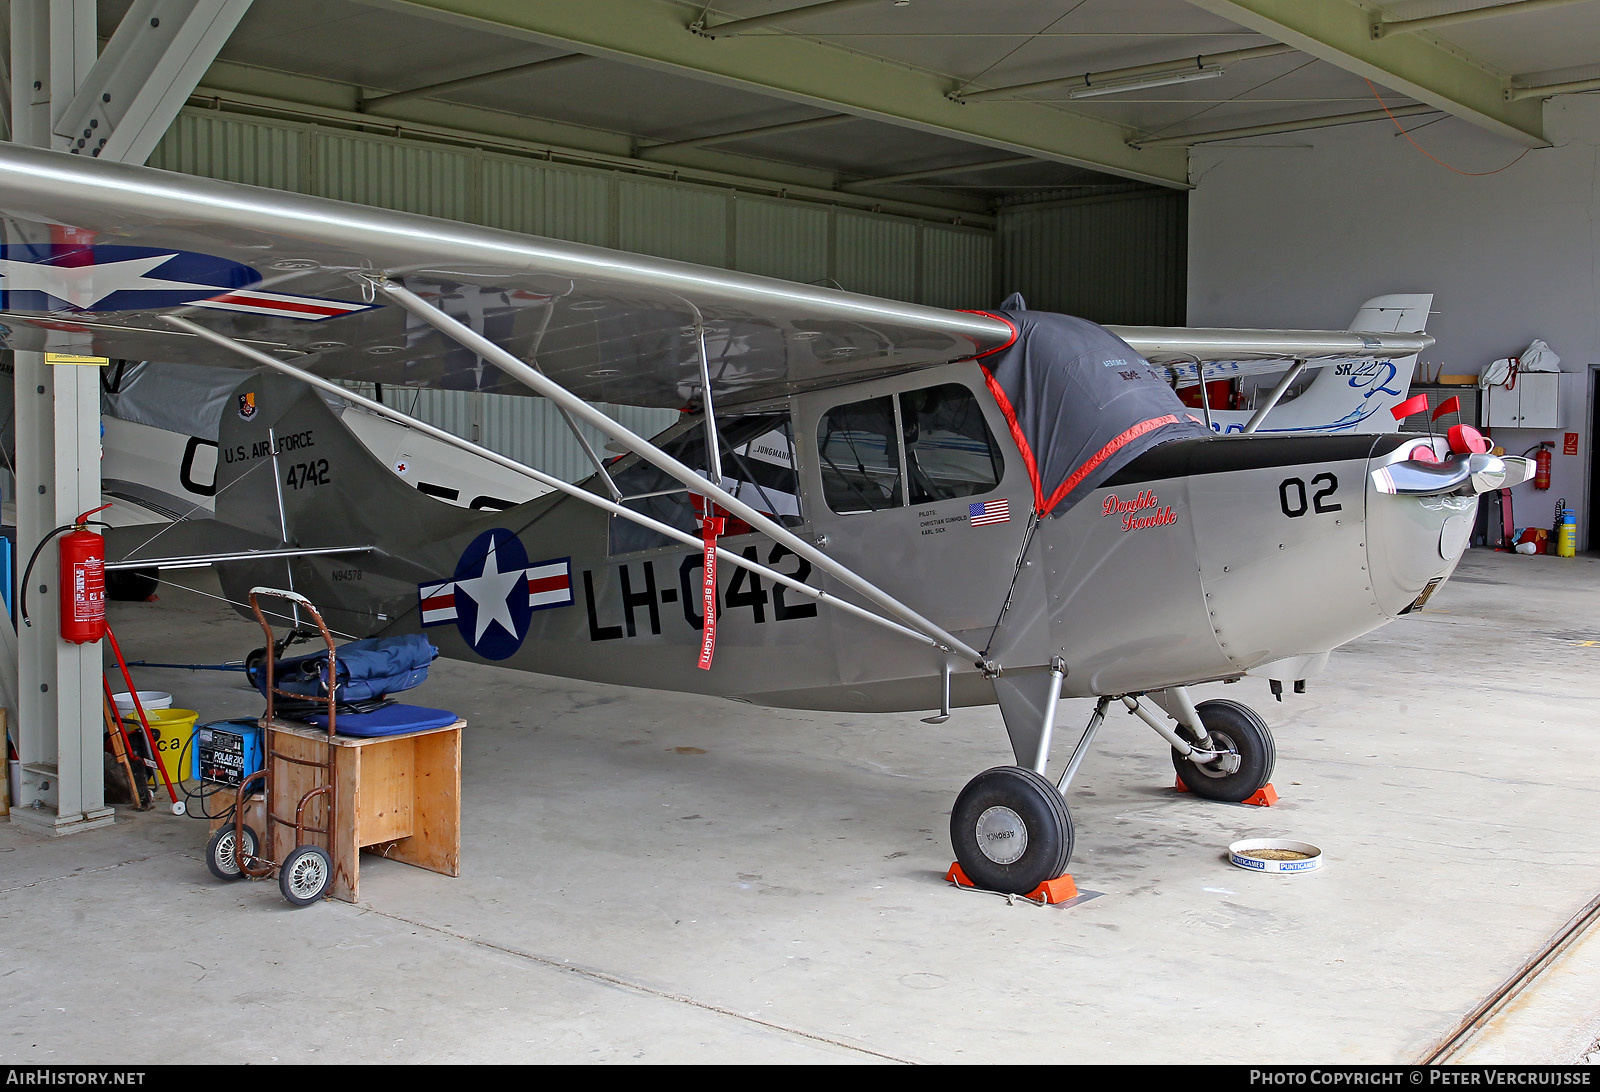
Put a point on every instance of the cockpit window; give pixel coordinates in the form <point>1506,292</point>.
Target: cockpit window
<point>757,467</point>
<point>950,451</point>
<point>859,452</point>
<point>931,444</point>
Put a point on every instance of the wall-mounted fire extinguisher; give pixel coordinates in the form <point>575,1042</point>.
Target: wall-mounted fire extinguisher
<point>83,580</point>
<point>1541,464</point>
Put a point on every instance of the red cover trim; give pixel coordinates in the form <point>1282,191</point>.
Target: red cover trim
<point>1021,441</point>
<point>1009,412</point>
<point>1102,455</point>
<point>997,318</point>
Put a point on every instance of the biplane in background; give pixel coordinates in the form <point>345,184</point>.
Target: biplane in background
<point>864,505</point>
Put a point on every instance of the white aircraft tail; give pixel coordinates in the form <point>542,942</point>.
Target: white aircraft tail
<point>1356,396</point>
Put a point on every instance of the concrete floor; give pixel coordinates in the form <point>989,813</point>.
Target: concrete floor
<point>665,878</point>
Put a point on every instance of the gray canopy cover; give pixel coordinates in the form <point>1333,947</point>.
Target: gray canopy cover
<point>1081,404</point>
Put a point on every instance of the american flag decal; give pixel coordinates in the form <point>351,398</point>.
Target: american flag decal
<point>995,511</point>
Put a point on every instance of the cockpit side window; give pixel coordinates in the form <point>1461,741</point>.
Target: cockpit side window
<point>925,445</point>
<point>859,453</point>
<point>950,451</point>
<point>757,467</point>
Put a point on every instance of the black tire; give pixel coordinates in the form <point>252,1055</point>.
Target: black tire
<point>1237,729</point>
<point>252,666</point>
<point>222,855</point>
<point>131,585</point>
<point>1010,830</point>
<point>306,875</point>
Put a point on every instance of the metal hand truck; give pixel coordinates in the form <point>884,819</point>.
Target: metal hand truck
<point>235,852</point>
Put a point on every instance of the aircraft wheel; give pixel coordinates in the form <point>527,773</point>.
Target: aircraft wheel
<point>1237,730</point>
<point>306,875</point>
<point>132,585</point>
<point>1010,830</point>
<point>223,852</point>
<point>252,664</point>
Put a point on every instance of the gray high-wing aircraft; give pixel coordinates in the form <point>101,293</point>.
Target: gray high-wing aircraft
<point>865,505</point>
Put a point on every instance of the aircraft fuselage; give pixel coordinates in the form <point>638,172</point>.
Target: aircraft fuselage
<point>1200,560</point>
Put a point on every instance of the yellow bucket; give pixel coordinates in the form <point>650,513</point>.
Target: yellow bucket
<point>173,730</point>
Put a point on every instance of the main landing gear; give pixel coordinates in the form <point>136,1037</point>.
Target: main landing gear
<point>1010,827</point>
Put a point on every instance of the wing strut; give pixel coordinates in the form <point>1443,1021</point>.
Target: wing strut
<point>1272,399</point>
<point>558,484</point>
<point>196,561</point>
<point>479,345</point>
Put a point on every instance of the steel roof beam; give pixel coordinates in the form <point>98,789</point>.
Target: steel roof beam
<point>372,102</point>
<point>1340,32</point>
<point>135,89</point>
<point>655,35</point>
<point>1382,28</point>
<point>935,172</point>
<point>1299,125</point>
<point>756,22</point>
<point>1545,90</point>
<point>744,134</point>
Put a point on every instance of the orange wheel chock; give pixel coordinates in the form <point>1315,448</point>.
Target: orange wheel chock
<point>1058,890</point>
<point>1265,796</point>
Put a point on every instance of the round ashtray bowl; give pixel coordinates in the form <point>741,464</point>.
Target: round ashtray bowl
<point>1280,855</point>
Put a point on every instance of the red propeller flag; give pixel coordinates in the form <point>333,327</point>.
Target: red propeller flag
<point>1417,403</point>
<point>1449,405</point>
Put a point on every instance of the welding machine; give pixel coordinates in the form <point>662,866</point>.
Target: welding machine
<point>227,751</point>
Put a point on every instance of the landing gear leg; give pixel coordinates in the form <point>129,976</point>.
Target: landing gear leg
<point>1245,748</point>
<point>1010,827</point>
<point>1221,749</point>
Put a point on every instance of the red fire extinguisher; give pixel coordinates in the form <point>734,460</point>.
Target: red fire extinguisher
<point>1541,464</point>
<point>83,580</point>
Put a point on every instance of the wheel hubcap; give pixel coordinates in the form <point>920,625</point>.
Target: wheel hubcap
<point>1002,835</point>
<point>226,855</point>
<point>1226,763</point>
<point>307,875</point>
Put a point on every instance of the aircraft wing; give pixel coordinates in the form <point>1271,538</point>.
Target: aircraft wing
<point>1231,354</point>
<point>95,253</point>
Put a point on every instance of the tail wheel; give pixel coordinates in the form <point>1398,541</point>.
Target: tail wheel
<point>1010,830</point>
<point>223,852</point>
<point>1248,753</point>
<point>306,875</point>
<point>132,585</point>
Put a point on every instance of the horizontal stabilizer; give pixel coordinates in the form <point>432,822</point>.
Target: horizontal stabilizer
<point>189,538</point>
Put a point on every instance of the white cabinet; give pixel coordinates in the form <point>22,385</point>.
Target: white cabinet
<point>1530,404</point>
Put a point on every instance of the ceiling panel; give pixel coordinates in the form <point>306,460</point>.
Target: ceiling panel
<point>376,46</point>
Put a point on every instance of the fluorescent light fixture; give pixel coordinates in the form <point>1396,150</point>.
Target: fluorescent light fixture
<point>1144,83</point>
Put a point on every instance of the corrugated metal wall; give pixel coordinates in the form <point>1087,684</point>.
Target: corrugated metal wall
<point>883,255</point>
<point>1118,258</point>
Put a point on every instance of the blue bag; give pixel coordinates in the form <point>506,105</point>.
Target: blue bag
<point>366,669</point>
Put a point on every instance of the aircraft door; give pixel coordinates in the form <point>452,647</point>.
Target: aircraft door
<point>914,483</point>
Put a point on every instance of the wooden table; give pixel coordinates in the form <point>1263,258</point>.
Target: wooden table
<point>397,795</point>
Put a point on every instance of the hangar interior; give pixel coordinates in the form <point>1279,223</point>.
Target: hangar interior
<point>668,877</point>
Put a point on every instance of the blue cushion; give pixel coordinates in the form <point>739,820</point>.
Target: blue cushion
<point>389,721</point>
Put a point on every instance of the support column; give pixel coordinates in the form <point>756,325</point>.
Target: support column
<point>59,699</point>
<point>58,721</point>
